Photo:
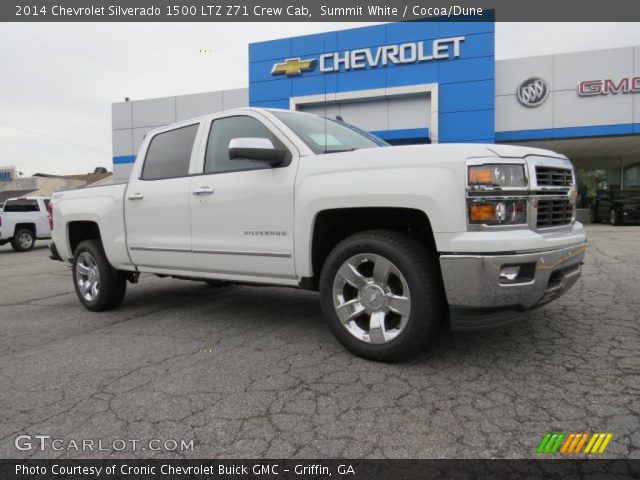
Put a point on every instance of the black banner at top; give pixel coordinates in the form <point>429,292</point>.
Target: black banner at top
<point>317,10</point>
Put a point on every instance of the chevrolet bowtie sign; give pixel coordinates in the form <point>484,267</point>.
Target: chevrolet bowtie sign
<point>405,53</point>
<point>293,66</point>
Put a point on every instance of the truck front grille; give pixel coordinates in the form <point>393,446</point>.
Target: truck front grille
<point>553,177</point>
<point>553,213</point>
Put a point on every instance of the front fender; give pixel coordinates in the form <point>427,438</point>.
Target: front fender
<point>436,190</point>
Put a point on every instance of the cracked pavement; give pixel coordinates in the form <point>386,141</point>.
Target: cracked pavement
<point>253,371</point>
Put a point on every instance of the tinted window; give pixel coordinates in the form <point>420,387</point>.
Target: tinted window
<point>169,154</point>
<point>323,135</point>
<point>21,206</point>
<point>222,132</point>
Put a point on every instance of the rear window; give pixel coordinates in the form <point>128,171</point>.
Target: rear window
<point>169,154</point>
<point>21,206</point>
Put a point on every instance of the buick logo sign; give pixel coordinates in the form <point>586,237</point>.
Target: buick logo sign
<point>532,92</point>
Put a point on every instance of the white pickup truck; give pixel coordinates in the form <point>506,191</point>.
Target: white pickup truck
<point>23,220</point>
<point>398,240</point>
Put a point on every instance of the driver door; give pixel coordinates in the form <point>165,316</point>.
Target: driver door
<point>242,210</point>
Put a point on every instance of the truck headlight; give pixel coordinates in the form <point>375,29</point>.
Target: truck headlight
<point>498,212</point>
<point>496,175</point>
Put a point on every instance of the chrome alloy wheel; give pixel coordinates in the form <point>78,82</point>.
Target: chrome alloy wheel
<point>25,240</point>
<point>371,298</point>
<point>87,276</point>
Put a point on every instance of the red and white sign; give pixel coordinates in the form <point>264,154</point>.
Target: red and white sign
<point>605,87</point>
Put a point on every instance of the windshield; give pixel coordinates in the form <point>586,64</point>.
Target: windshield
<point>323,135</point>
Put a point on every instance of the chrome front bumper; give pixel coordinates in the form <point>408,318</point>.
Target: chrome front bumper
<point>479,297</point>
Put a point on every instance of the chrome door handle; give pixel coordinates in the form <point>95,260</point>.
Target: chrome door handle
<point>136,196</point>
<point>203,191</point>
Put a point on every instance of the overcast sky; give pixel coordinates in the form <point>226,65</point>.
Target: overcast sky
<point>58,80</point>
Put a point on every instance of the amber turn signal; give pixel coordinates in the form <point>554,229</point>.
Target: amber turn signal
<point>482,212</point>
<point>480,176</point>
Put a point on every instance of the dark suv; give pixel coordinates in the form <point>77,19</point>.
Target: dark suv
<point>619,206</point>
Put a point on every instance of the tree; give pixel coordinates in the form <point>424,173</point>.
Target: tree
<point>100,170</point>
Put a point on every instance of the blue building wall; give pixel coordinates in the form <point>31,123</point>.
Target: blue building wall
<point>466,84</point>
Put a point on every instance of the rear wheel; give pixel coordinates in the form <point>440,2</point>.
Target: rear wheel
<point>98,285</point>
<point>23,240</point>
<point>382,294</point>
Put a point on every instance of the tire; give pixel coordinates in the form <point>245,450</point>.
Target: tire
<point>23,240</point>
<point>594,217</point>
<point>98,285</point>
<point>403,297</point>
<point>614,219</point>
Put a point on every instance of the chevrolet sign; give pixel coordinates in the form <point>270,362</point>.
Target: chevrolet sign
<point>293,66</point>
<point>413,52</point>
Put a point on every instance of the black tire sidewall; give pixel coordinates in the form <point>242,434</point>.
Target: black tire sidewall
<point>15,243</point>
<point>426,309</point>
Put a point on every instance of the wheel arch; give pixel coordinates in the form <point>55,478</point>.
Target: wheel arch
<point>24,226</point>
<point>331,226</point>
<point>81,230</point>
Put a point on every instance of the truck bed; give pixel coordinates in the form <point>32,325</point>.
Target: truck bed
<point>102,204</point>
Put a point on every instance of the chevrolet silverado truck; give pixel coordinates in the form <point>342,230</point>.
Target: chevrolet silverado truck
<point>397,240</point>
<point>23,221</point>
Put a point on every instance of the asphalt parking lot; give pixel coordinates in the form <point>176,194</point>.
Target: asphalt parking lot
<point>253,372</point>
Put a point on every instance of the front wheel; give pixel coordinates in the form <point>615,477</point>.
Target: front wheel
<point>594,216</point>
<point>382,294</point>
<point>98,285</point>
<point>23,240</point>
<point>614,218</point>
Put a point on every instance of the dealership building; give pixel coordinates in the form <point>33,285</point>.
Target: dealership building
<point>433,82</point>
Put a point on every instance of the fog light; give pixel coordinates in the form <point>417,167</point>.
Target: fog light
<point>509,273</point>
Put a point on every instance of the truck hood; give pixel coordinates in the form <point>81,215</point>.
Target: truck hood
<point>407,155</point>
<point>520,152</point>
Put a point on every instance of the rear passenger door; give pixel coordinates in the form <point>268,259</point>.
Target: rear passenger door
<point>156,202</point>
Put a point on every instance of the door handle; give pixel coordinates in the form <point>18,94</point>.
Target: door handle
<point>136,196</point>
<point>203,191</point>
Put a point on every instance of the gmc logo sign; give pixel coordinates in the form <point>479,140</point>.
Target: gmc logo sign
<point>605,87</point>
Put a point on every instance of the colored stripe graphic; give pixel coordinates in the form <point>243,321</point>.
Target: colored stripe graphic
<point>551,442</point>
<point>598,443</point>
<point>572,443</point>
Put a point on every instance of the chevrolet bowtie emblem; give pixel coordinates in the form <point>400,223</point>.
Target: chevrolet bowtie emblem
<point>293,66</point>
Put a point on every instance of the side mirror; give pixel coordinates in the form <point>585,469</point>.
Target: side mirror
<point>258,149</point>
